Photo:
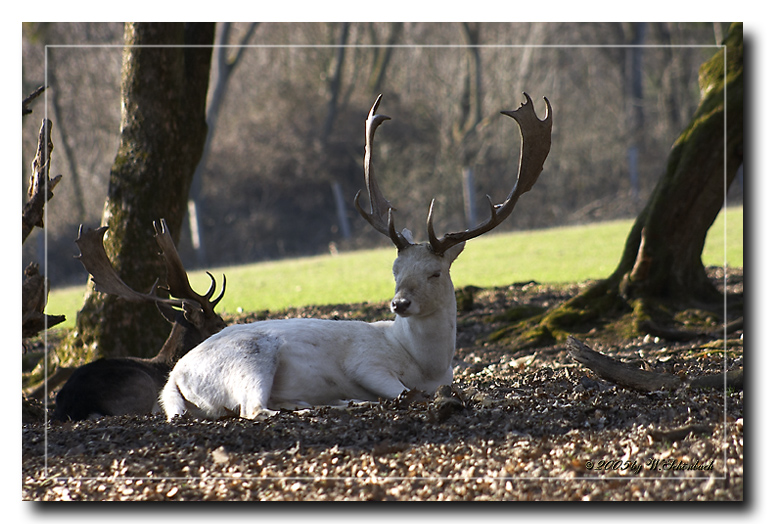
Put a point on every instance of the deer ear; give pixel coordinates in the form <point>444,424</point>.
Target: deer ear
<point>453,252</point>
<point>194,314</point>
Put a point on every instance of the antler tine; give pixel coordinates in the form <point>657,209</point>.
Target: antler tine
<point>381,216</point>
<point>176,275</point>
<point>106,279</point>
<point>212,287</point>
<point>534,148</point>
<point>210,293</point>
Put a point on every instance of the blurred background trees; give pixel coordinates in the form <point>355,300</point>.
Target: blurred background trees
<point>289,133</point>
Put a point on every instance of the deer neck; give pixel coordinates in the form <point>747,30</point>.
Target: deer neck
<point>179,342</point>
<point>429,339</point>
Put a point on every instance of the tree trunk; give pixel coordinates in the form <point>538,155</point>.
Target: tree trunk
<point>224,71</point>
<point>661,263</point>
<point>635,105</point>
<point>465,128</point>
<point>382,57</point>
<point>69,154</point>
<point>333,109</point>
<point>163,129</point>
<point>662,257</point>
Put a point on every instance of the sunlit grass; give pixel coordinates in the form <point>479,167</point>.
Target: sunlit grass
<point>567,254</point>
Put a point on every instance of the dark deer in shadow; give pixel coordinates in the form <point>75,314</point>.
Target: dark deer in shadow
<point>122,386</point>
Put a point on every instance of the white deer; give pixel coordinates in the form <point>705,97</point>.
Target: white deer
<point>251,369</point>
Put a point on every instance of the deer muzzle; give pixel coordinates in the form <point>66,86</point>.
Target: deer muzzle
<point>400,305</point>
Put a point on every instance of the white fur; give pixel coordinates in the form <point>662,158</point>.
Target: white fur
<point>246,369</point>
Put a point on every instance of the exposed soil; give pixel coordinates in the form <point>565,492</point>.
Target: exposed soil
<point>534,426</point>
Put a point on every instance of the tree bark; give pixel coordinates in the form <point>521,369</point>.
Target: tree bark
<point>662,257</point>
<point>163,130</point>
<point>661,262</point>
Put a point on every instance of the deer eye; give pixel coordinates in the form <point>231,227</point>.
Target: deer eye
<point>435,274</point>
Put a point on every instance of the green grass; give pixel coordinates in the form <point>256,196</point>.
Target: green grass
<point>566,254</point>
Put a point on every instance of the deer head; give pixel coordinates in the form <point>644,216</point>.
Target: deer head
<point>187,309</point>
<point>535,146</point>
<point>119,386</point>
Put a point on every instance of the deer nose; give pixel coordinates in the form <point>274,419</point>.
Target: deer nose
<point>400,305</point>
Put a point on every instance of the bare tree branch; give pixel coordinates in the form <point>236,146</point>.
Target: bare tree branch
<point>382,56</point>
<point>40,186</point>
<point>630,375</point>
<point>25,110</point>
<point>34,294</point>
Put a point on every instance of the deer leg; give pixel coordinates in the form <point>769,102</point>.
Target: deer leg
<point>172,401</point>
<point>255,394</point>
<point>255,378</point>
<point>382,384</point>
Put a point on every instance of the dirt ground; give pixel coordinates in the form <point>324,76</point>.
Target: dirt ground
<point>514,426</point>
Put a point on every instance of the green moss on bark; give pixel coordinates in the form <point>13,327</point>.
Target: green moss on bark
<point>660,271</point>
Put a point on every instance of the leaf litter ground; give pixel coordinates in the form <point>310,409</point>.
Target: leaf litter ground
<point>514,426</point>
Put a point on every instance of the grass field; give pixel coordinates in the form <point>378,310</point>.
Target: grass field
<point>566,254</point>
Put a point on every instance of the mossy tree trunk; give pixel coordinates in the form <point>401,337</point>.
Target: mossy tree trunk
<point>662,257</point>
<point>661,269</point>
<point>163,130</point>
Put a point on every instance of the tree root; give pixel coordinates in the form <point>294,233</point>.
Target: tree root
<point>631,376</point>
<point>683,335</point>
<point>590,310</point>
<point>602,311</point>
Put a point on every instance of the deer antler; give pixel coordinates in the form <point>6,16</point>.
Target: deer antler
<point>535,146</point>
<point>176,275</point>
<point>106,279</point>
<point>381,216</point>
